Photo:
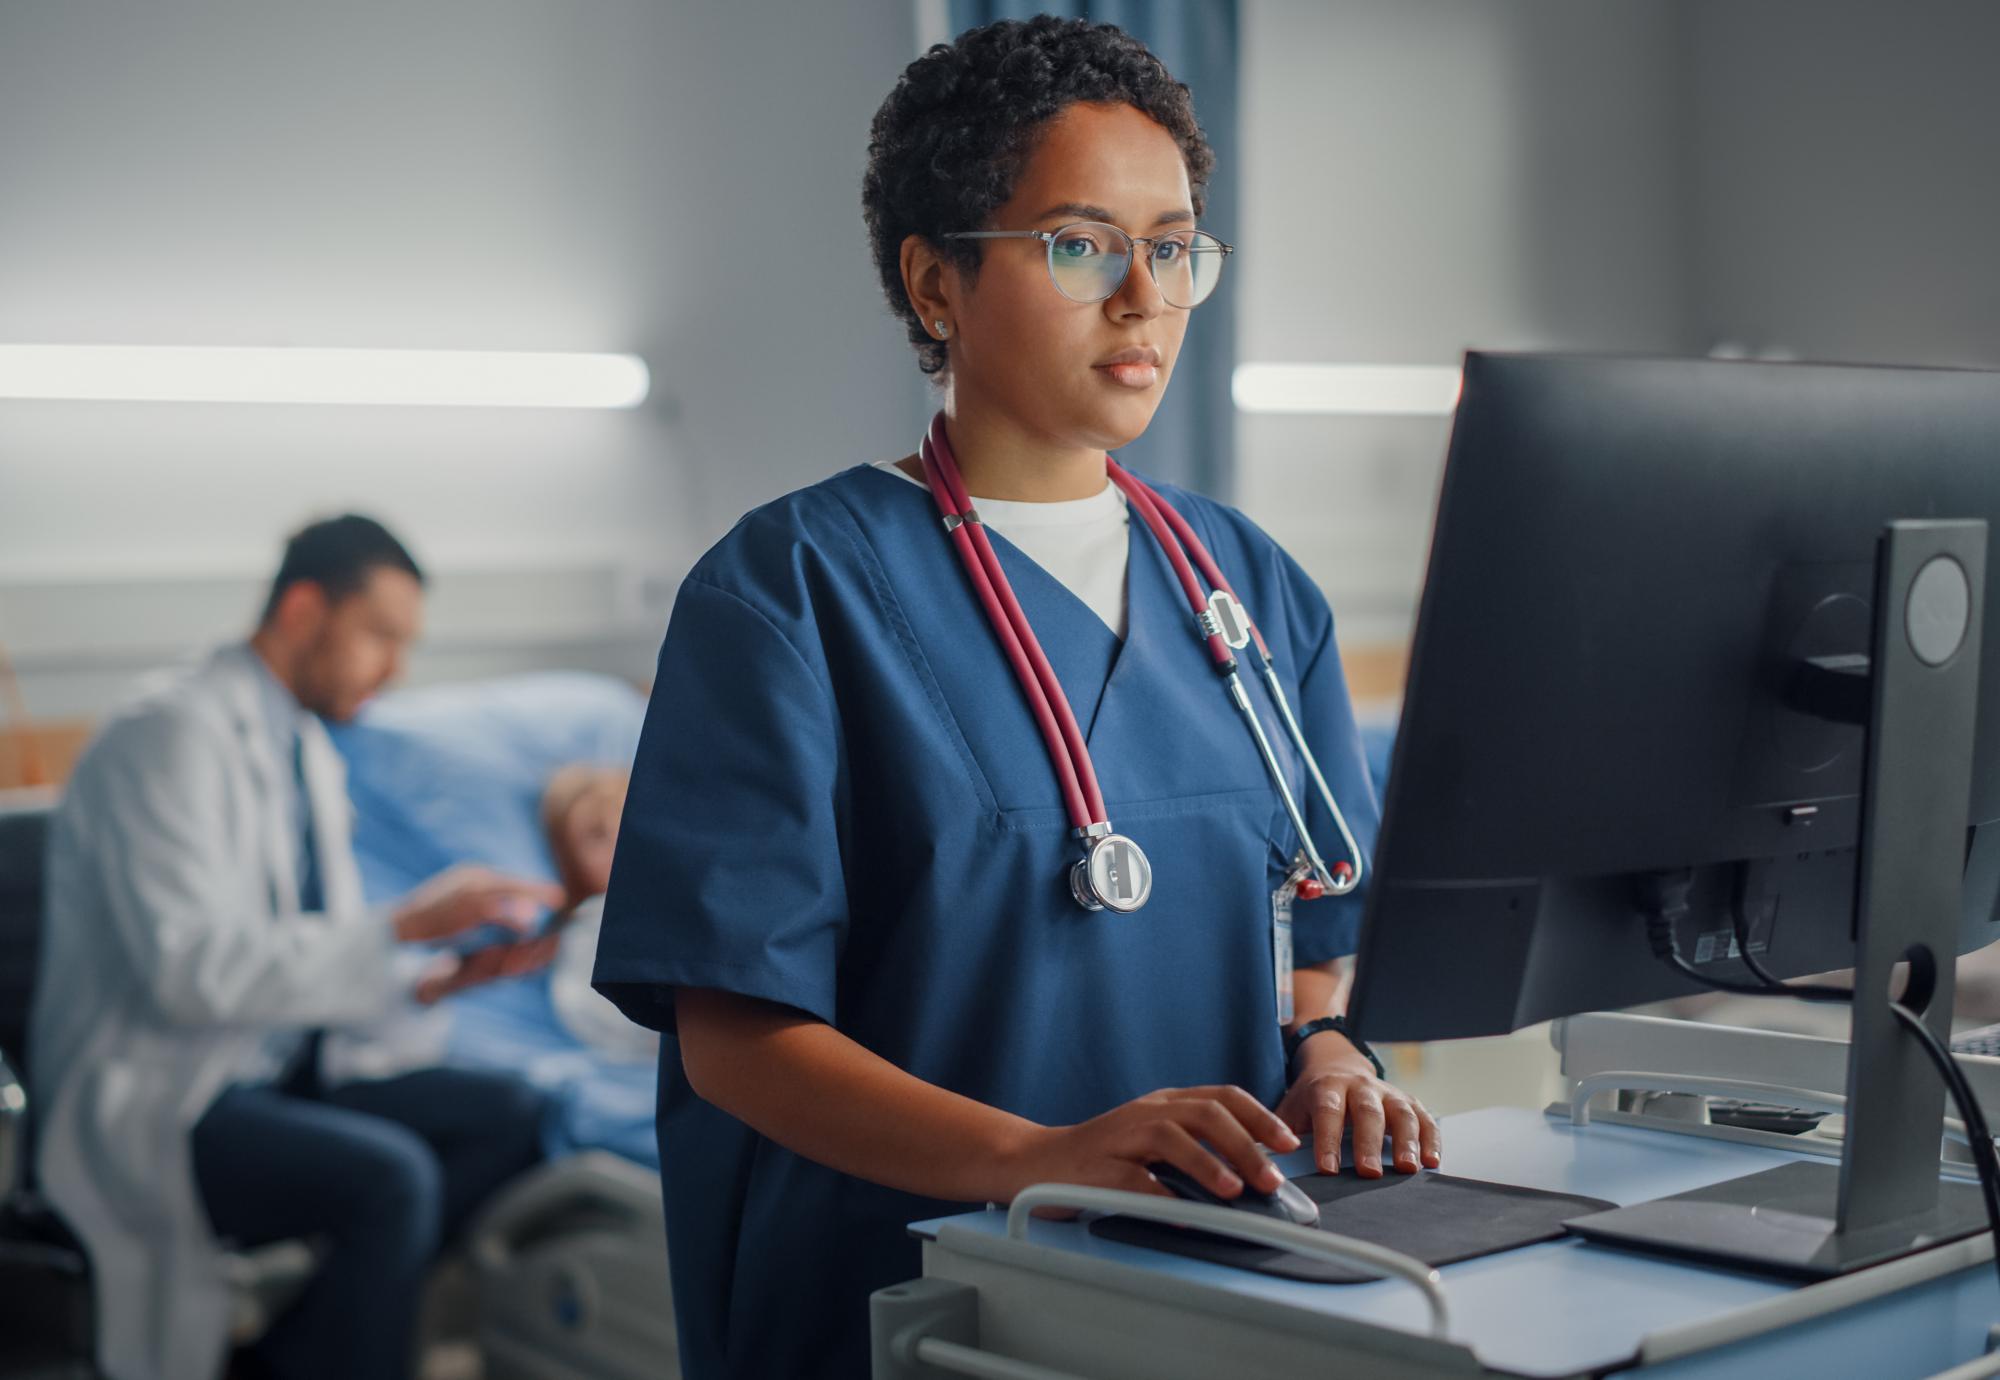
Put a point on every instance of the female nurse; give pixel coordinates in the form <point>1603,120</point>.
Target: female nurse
<point>843,884</point>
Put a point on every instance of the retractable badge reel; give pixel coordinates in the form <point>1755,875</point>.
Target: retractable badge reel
<point>1300,885</point>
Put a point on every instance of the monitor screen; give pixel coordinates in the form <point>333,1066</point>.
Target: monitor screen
<point>1631,560</point>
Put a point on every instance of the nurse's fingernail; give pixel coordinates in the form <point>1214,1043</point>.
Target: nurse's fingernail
<point>1289,1140</point>
<point>1270,1179</point>
<point>1230,1184</point>
<point>1329,1163</point>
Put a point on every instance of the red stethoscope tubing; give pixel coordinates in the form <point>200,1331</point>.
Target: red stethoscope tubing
<point>1212,572</point>
<point>1046,700</point>
<point>1156,512</point>
<point>1044,693</point>
<point>1147,505</point>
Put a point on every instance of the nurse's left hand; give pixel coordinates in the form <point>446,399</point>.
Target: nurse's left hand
<point>1337,1086</point>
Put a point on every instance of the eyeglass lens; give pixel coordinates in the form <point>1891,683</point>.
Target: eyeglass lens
<point>1088,263</point>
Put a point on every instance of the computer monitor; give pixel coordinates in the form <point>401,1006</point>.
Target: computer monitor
<point>1642,651</point>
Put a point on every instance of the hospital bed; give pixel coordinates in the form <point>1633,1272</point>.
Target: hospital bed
<point>453,774</point>
<point>571,1268</point>
<point>570,1262</point>
<point>1006,1295</point>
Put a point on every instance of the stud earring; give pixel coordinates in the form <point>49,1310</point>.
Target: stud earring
<point>942,330</point>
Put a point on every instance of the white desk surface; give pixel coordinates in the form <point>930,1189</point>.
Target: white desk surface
<point>1558,1308</point>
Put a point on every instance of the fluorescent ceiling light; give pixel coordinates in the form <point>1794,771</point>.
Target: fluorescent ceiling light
<point>420,378</point>
<point>1379,390</point>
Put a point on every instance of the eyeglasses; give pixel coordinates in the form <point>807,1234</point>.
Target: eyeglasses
<point>1089,261</point>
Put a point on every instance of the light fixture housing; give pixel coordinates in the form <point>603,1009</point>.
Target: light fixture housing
<point>406,378</point>
<point>1363,390</point>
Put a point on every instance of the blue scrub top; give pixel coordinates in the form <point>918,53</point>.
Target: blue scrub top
<point>841,804</point>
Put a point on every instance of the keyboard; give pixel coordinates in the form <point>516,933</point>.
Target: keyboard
<point>1762,1116</point>
<point>1985,1040</point>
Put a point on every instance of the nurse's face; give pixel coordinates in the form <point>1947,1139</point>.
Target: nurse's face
<point>1084,375</point>
<point>357,644</point>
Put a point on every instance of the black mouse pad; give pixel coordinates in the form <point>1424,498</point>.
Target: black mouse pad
<point>1436,1218</point>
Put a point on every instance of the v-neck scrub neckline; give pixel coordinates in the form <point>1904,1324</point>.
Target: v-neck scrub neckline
<point>1082,542</point>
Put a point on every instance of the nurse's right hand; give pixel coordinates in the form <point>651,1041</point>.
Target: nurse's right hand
<point>1217,1134</point>
<point>467,896</point>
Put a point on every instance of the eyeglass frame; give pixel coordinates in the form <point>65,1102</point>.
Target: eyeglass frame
<point>1049,237</point>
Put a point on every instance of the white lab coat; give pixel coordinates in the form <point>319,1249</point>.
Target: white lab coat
<point>172,950</point>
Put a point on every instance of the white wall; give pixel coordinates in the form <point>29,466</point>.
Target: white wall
<point>677,179</point>
<point>1847,193</point>
<point>1420,176</point>
<point>1424,176</point>
<point>681,179</point>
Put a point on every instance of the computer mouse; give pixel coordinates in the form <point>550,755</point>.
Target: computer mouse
<point>1288,1204</point>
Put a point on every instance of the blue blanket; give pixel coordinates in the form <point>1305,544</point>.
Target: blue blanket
<point>454,773</point>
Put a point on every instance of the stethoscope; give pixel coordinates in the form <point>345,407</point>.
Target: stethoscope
<point>1114,873</point>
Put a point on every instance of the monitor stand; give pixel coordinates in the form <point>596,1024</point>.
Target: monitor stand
<point>1885,1198</point>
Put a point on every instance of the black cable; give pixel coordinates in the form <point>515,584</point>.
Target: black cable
<point>1969,1111</point>
<point>1664,898</point>
<point>1747,989</point>
<point>1985,1156</point>
<point>1773,984</point>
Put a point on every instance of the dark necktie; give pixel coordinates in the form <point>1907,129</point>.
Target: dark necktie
<point>301,1076</point>
<point>311,899</point>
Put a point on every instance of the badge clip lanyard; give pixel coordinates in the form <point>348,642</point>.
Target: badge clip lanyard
<point>1114,873</point>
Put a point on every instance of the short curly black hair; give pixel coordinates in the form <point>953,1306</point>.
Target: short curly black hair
<point>948,144</point>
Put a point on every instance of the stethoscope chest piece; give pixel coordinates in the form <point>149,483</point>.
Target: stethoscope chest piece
<point>1113,874</point>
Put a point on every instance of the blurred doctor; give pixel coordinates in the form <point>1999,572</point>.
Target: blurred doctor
<point>205,924</point>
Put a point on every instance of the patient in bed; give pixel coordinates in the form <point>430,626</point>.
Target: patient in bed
<point>580,811</point>
<point>524,773</point>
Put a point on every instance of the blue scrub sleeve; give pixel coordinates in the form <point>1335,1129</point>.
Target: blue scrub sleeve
<point>1330,927</point>
<point>728,871</point>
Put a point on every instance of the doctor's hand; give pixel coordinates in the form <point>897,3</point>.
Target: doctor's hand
<point>467,896</point>
<point>450,973</point>
<point>1215,1134</point>
<point>1337,1087</point>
